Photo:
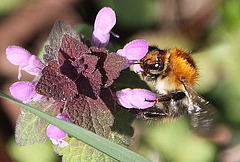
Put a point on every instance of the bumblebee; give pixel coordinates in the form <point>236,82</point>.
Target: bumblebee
<point>173,73</point>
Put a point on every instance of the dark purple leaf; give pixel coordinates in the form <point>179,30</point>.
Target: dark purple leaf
<point>59,29</point>
<point>110,64</point>
<point>54,84</point>
<point>92,114</point>
<point>79,78</point>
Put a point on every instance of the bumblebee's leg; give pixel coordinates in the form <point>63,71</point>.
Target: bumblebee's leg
<point>174,95</point>
<point>167,106</point>
<point>153,115</point>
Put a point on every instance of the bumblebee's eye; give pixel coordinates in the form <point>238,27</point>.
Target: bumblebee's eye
<point>157,65</point>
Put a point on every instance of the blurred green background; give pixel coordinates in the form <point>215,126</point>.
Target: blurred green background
<point>209,28</point>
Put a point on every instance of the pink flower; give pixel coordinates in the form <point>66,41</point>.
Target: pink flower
<point>25,91</point>
<point>55,134</point>
<point>103,25</point>
<point>135,98</point>
<point>134,51</point>
<point>27,62</point>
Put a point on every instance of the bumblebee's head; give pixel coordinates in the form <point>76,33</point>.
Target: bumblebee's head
<point>153,62</point>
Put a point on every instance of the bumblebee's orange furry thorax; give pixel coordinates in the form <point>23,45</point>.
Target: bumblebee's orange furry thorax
<point>182,66</point>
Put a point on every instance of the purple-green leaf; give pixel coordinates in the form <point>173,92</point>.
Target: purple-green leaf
<point>30,128</point>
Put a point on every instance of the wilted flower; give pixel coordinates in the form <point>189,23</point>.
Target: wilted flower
<point>135,98</point>
<point>55,134</point>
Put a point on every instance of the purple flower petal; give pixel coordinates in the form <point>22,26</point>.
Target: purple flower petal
<point>103,25</point>
<point>61,142</point>
<point>135,98</point>
<point>27,62</point>
<point>64,116</point>
<point>142,98</point>
<point>134,50</point>
<point>23,91</point>
<point>18,55</point>
<point>34,66</point>
<point>123,96</point>
<point>55,134</point>
<point>105,20</point>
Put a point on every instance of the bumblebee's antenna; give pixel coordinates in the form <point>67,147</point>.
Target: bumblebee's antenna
<point>138,62</point>
<point>131,63</point>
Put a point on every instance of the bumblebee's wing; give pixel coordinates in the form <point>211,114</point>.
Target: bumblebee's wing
<point>202,113</point>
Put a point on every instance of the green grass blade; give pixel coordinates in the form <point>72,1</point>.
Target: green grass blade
<point>111,149</point>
